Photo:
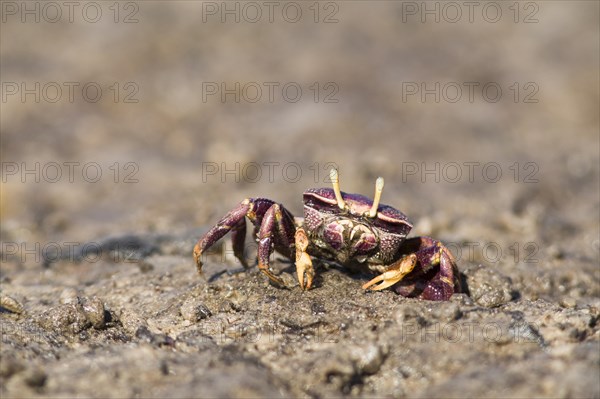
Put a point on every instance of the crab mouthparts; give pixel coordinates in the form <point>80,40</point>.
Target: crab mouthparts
<point>333,175</point>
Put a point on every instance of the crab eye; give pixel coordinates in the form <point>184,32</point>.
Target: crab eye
<point>378,190</point>
<point>333,175</point>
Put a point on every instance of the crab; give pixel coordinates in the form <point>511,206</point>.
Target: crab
<point>349,229</point>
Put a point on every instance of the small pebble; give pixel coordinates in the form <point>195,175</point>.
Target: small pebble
<point>193,311</point>
<point>368,359</point>
<point>11,304</point>
<point>93,308</point>
<point>568,302</point>
<point>66,319</point>
<point>68,295</point>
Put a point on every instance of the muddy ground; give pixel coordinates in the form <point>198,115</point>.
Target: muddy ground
<point>485,126</point>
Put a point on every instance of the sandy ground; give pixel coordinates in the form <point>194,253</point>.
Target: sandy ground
<point>127,133</point>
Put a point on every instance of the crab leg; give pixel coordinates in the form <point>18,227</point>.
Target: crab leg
<point>435,277</point>
<point>393,274</point>
<point>303,261</point>
<point>276,232</point>
<point>233,220</point>
<point>238,239</point>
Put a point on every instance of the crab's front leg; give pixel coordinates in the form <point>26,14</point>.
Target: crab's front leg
<point>275,227</point>
<point>427,271</point>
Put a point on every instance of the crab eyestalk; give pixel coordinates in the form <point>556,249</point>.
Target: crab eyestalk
<point>378,190</point>
<point>333,175</point>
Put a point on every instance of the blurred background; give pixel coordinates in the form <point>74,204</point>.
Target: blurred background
<point>161,116</point>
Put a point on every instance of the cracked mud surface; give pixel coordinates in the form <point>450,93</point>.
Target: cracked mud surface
<point>126,314</point>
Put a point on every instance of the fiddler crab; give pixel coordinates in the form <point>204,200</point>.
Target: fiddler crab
<point>348,229</point>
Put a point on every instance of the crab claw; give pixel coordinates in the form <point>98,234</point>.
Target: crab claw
<point>303,261</point>
<point>393,274</point>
